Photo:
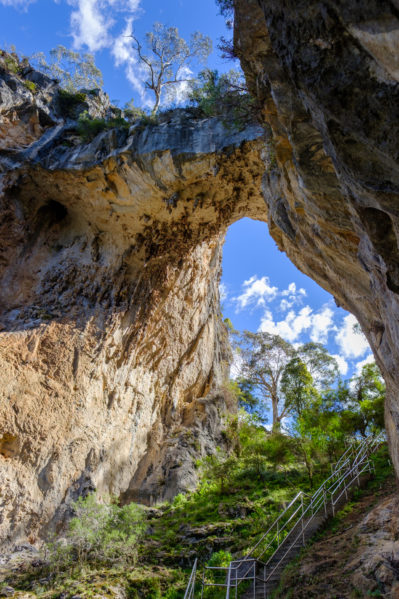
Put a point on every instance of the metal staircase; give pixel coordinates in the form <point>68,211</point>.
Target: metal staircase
<point>257,574</point>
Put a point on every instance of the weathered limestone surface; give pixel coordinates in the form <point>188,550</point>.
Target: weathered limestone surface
<point>113,355</point>
<point>112,358</point>
<point>326,77</point>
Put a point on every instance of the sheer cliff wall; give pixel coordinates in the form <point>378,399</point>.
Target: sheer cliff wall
<point>326,75</point>
<point>113,354</point>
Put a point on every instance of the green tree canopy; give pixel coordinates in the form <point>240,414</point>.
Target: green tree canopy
<point>320,364</point>
<point>264,358</point>
<point>297,386</point>
<point>288,378</point>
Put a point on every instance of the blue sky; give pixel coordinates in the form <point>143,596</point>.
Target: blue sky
<point>100,26</point>
<point>263,290</point>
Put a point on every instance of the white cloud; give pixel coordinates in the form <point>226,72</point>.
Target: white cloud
<point>292,291</point>
<point>322,324</point>
<point>351,344</point>
<point>285,305</point>
<point>256,293</point>
<point>92,20</point>
<point>342,364</point>
<point>317,324</point>
<point>291,327</point>
<point>367,360</point>
<point>223,293</point>
<point>291,296</point>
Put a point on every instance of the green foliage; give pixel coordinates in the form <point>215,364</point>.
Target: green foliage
<point>220,559</point>
<point>89,128</point>
<point>30,85</point>
<point>301,386</point>
<point>228,324</point>
<point>297,386</point>
<point>73,70</point>
<point>218,466</point>
<point>100,533</point>
<point>132,112</point>
<point>223,95</point>
<point>243,390</point>
<point>149,588</point>
<point>322,366</point>
<point>69,101</point>
<point>264,357</point>
<point>12,64</point>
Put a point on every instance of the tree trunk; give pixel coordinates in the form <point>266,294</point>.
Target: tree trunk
<point>157,101</point>
<point>276,420</point>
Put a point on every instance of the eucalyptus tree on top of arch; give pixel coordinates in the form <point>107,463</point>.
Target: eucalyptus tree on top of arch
<point>168,58</point>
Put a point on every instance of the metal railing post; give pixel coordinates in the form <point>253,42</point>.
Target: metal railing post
<point>254,579</point>
<point>228,582</point>
<point>189,594</point>
<point>203,583</point>
<point>237,570</point>
<point>325,501</point>
<point>264,581</point>
<point>303,533</point>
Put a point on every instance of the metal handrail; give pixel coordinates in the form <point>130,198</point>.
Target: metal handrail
<point>291,528</point>
<point>189,594</point>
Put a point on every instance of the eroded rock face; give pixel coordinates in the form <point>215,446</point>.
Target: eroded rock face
<point>113,355</point>
<point>325,74</point>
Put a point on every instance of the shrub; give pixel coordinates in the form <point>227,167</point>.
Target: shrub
<point>12,65</point>
<point>223,95</point>
<point>89,128</point>
<point>30,85</point>
<point>132,112</point>
<point>100,533</point>
<point>220,559</point>
<point>68,102</point>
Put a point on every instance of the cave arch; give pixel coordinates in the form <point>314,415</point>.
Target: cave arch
<point>112,335</point>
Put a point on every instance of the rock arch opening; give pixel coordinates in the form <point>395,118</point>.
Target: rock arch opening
<point>261,289</point>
